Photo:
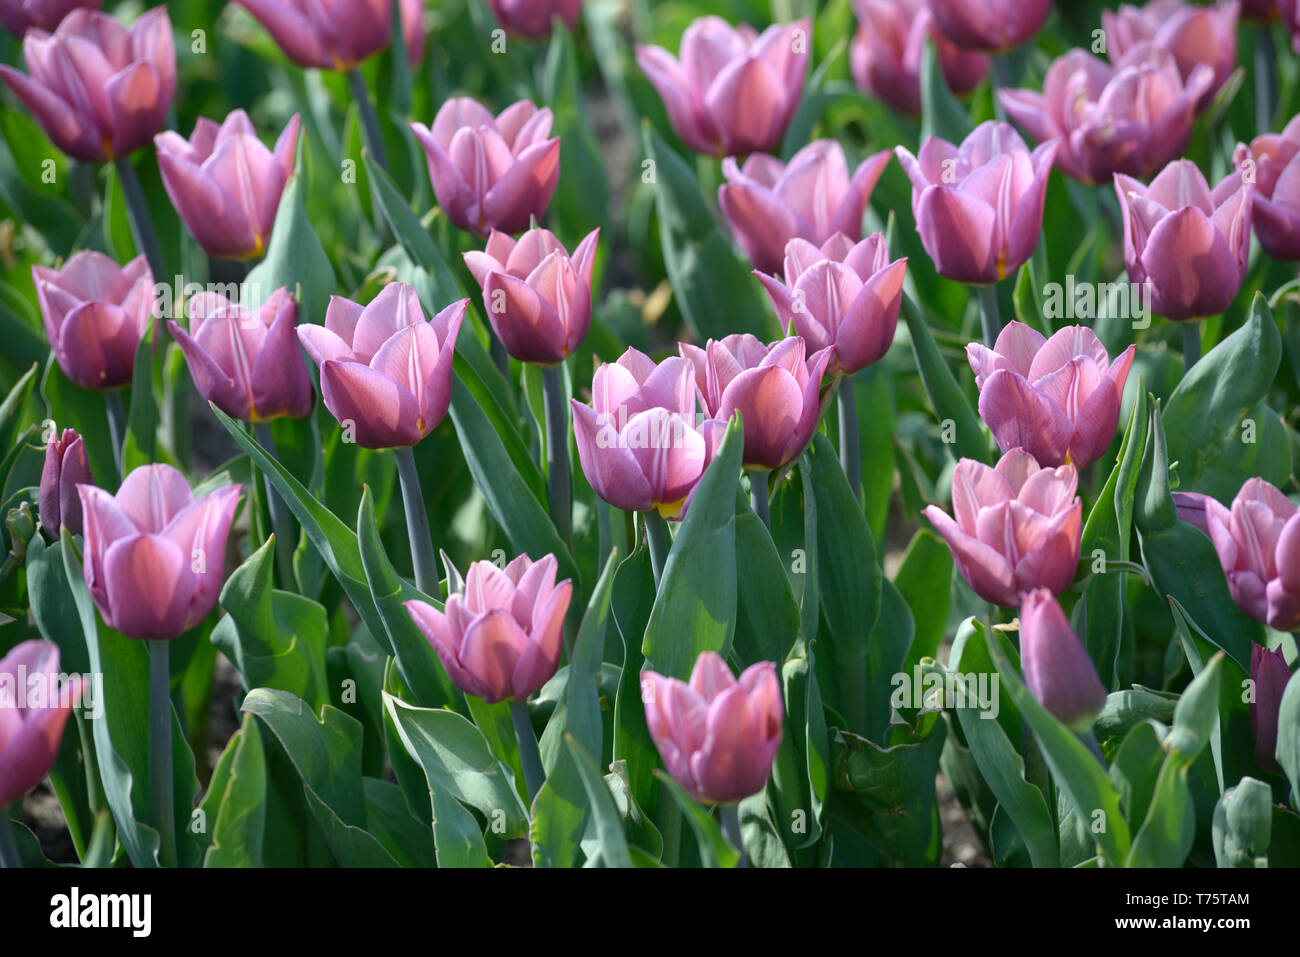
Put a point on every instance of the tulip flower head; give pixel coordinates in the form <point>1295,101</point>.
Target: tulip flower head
<point>717,734</point>
<point>1190,507</point>
<point>385,371</point>
<point>1192,33</point>
<point>533,18</point>
<point>66,466</point>
<point>1260,11</point>
<point>995,26</point>
<point>225,184</point>
<point>1056,666</point>
<point>502,638</point>
<point>1275,210</point>
<point>733,91</point>
<point>1015,527</point>
<point>155,556</point>
<point>1288,11</point>
<point>1271,674</point>
<point>341,35</point>
<point>18,16</point>
<point>30,727</point>
<point>1258,541</point>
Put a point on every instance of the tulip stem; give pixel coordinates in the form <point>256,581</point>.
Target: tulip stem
<point>557,452</point>
<point>9,856</point>
<point>1001,80</point>
<point>850,450</point>
<point>279,517</point>
<point>1191,344</point>
<point>990,317</point>
<point>161,786</point>
<point>417,524</point>
<point>374,139</point>
<point>656,536</point>
<point>730,814</point>
<point>758,495</point>
<point>1090,739</point>
<point>117,425</point>
<point>534,776</point>
<point>146,240</point>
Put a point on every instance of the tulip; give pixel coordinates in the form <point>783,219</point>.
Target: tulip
<point>1270,674</point>
<point>769,202</point>
<point>733,91</point>
<point>341,36</point>
<point>385,370</point>
<point>992,25</point>
<point>155,556</point>
<point>225,184</point>
<point>1131,117</point>
<point>1258,542</point>
<point>1056,666</point>
<point>842,295</point>
<point>66,466</point>
<point>979,206</point>
<point>1191,509</point>
<point>31,728</point>
<point>1193,34</point>
<point>491,173</point>
<point>885,56</point>
<point>1017,526</point>
<point>1189,243</point>
<point>1260,11</point>
<point>503,637</point>
<point>18,16</point>
<point>99,90</point>
<point>95,314</point>
<point>638,443</point>
<point>1056,398</point>
<point>247,363</point>
<point>533,18</point>
<point>537,298</point>
<point>717,735</point>
<point>1288,12</point>
<point>1276,207</point>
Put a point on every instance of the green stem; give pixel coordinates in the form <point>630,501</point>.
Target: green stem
<point>280,523</point>
<point>557,452</point>
<point>1090,739</point>
<point>850,449</point>
<point>730,814</point>
<point>668,819</point>
<point>117,425</point>
<point>990,317</point>
<point>146,240</point>
<point>374,138</point>
<point>9,856</point>
<point>423,556</point>
<point>758,495</point>
<point>1191,344</point>
<point>161,788</point>
<point>656,535</point>
<point>1001,80</point>
<point>604,528</point>
<point>534,776</point>
<point>94,790</point>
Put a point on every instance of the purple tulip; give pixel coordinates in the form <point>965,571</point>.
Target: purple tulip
<point>1189,243</point>
<point>885,56</point>
<point>247,363</point>
<point>18,16</point>
<point>1271,674</point>
<point>1191,509</point>
<point>1258,542</point>
<point>733,91</point>
<point>1276,207</point>
<point>776,388</point>
<point>717,735</point>
<point>769,202</point>
<point>537,298</point>
<point>99,90</point>
<point>225,184</point>
<point>1056,666</point>
<point>638,441</point>
<point>1056,398</point>
<point>31,728</point>
<point>1260,11</point>
<point>533,18</point>
<point>995,26</point>
<point>340,34</point>
<point>1131,117</point>
<point>66,467</point>
<point>842,295</point>
<point>491,172</point>
<point>385,372</point>
<point>979,206</point>
<point>503,637</point>
<point>155,557</point>
<point>1288,12</point>
<point>1017,527</point>
<point>1193,34</point>
<point>95,313</point>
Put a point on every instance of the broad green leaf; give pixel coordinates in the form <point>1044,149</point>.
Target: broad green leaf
<point>294,258</point>
<point>767,615</point>
<point>941,114</point>
<point>1288,737</point>
<point>949,401</point>
<point>923,580</point>
<point>235,805</point>
<point>715,850</point>
<point>609,824</point>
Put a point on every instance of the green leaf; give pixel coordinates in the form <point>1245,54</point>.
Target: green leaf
<point>767,616</point>
<point>72,407</point>
<point>13,402</point>
<point>235,805</point>
<point>715,850</point>
<point>949,401</point>
<point>414,238</point>
<point>139,446</point>
<point>941,114</point>
<point>1288,736</point>
<point>923,579</point>
<point>294,258</point>
<point>609,824</point>
<point>1155,506</point>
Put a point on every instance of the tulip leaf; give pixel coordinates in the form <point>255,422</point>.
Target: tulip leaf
<point>71,407</point>
<point>951,406</point>
<point>924,579</point>
<point>13,403</point>
<point>235,804</point>
<point>1243,825</point>
<point>715,849</point>
<point>631,600</point>
<point>941,114</point>
<point>294,257</point>
<point>140,443</point>
<point>806,725</point>
<point>767,615</point>
<point>1288,736</point>
<point>609,824</point>
<point>582,196</point>
<point>794,530</point>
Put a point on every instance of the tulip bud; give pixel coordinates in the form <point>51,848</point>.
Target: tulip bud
<point>30,731</point>
<point>21,527</point>
<point>18,16</point>
<point>1258,543</point>
<point>995,26</point>
<point>1056,666</point>
<point>66,466</point>
<point>340,36</point>
<point>1271,674</point>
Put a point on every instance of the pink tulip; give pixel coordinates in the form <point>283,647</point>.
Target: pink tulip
<point>1056,666</point>
<point>769,202</point>
<point>1258,542</point>
<point>66,466</point>
<point>491,173</point>
<point>155,557</point>
<point>1189,243</point>
<point>34,708</point>
<point>385,372</point>
<point>247,363</point>
<point>733,91</point>
<point>776,388</point>
<point>95,313</point>
<point>717,735</point>
<point>979,206</point>
<point>1131,117</point>
<point>225,184</point>
<point>1193,34</point>
<point>638,441</point>
<point>1017,526</point>
<point>533,18</point>
<point>340,34</point>
<point>842,295</point>
<point>503,637</point>
<point>537,298</point>
<point>885,56</point>
<point>1276,207</point>
<point>18,16</point>
<point>1271,674</point>
<point>992,25</point>
<point>1056,398</point>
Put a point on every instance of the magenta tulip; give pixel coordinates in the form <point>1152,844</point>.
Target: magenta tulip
<point>1260,11</point>
<point>1017,526</point>
<point>339,35</point>
<point>992,25</point>
<point>155,557</point>
<point>1056,666</point>
<point>247,363</point>
<point>537,298</point>
<point>35,701</point>
<point>842,295</point>
<point>1276,207</point>
<point>733,91</point>
<point>1190,243</point>
<point>503,637</point>
<point>1193,34</point>
<point>385,371</point>
<point>1258,542</point>
<point>533,18</point>
<point>1056,398</point>
<point>1271,674</point>
<point>66,467</point>
<point>95,313</point>
<point>769,202</point>
<point>225,184</point>
<point>18,16</point>
<point>979,206</point>
<point>99,90</point>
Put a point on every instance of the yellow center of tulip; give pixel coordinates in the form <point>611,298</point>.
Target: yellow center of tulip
<point>670,510</point>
